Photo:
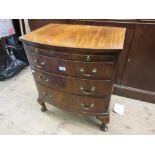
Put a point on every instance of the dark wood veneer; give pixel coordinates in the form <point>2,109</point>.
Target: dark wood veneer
<point>74,66</point>
<point>73,102</point>
<point>73,85</point>
<point>61,54</point>
<point>136,63</point>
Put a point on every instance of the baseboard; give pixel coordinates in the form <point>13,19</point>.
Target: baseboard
<point>134,93</point>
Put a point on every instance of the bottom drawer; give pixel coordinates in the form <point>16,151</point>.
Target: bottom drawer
<point>74,103</point>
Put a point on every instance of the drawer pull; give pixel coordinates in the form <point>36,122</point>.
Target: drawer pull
<point>36,51</point>
<point>47,96</point>
<point>88,93</point>
<point>87,107</point>
<point>88,58</point>
<point>35,61</point>
<point>43,77</point>
<point>86,74</point>
<point>40,65</point>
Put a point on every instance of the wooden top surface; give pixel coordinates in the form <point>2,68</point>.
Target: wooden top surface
<point>78,36</point>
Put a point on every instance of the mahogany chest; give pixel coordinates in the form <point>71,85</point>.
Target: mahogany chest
<point>74,66</point>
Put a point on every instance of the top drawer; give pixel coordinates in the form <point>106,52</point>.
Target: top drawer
<point>68,56</point>
<point>78,69</point>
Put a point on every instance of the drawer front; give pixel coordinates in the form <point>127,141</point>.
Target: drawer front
<point>77,69</point>
<point>81,104</point>
<point>99,88</point>
<point>68,56</point>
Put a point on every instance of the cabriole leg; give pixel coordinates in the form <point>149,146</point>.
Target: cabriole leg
<point>104,121</point>
<point>42,103</point>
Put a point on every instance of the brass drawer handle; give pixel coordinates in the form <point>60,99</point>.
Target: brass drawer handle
<point>35,61</point>
<point>87,107</point>
<point>87,93</point>
<point>43,77</point>
<point>88,58</point>
<point>40,65</point>
<point>36,51</point>
<point>47,96</point>
<point>94,70</point>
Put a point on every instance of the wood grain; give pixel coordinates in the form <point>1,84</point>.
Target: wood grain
<point>72,102</point>
<point>78,36</point>
<point>104,70</point>
<point>68,56</point>
<point>74,66</point>
<point>73,85</point>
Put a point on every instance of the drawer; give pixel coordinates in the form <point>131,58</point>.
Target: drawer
<point>81,104</point>
<point>77,69</point>
<point>68,56</point>
<point>99,88</point>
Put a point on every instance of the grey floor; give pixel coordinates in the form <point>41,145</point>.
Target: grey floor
<point>20,113</point>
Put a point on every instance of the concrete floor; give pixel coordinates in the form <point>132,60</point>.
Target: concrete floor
<point>20,113</point>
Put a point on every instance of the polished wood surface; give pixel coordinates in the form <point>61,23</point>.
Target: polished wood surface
<point>61,54</point>
<point>99,88</point>
<point>77,69</point>
<point>75,78</point>
<point>74,103</point>
<point>135,73</point>
<point>78,36</point>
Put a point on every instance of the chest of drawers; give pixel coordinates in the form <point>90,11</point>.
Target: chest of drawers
<point>74,66</point>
